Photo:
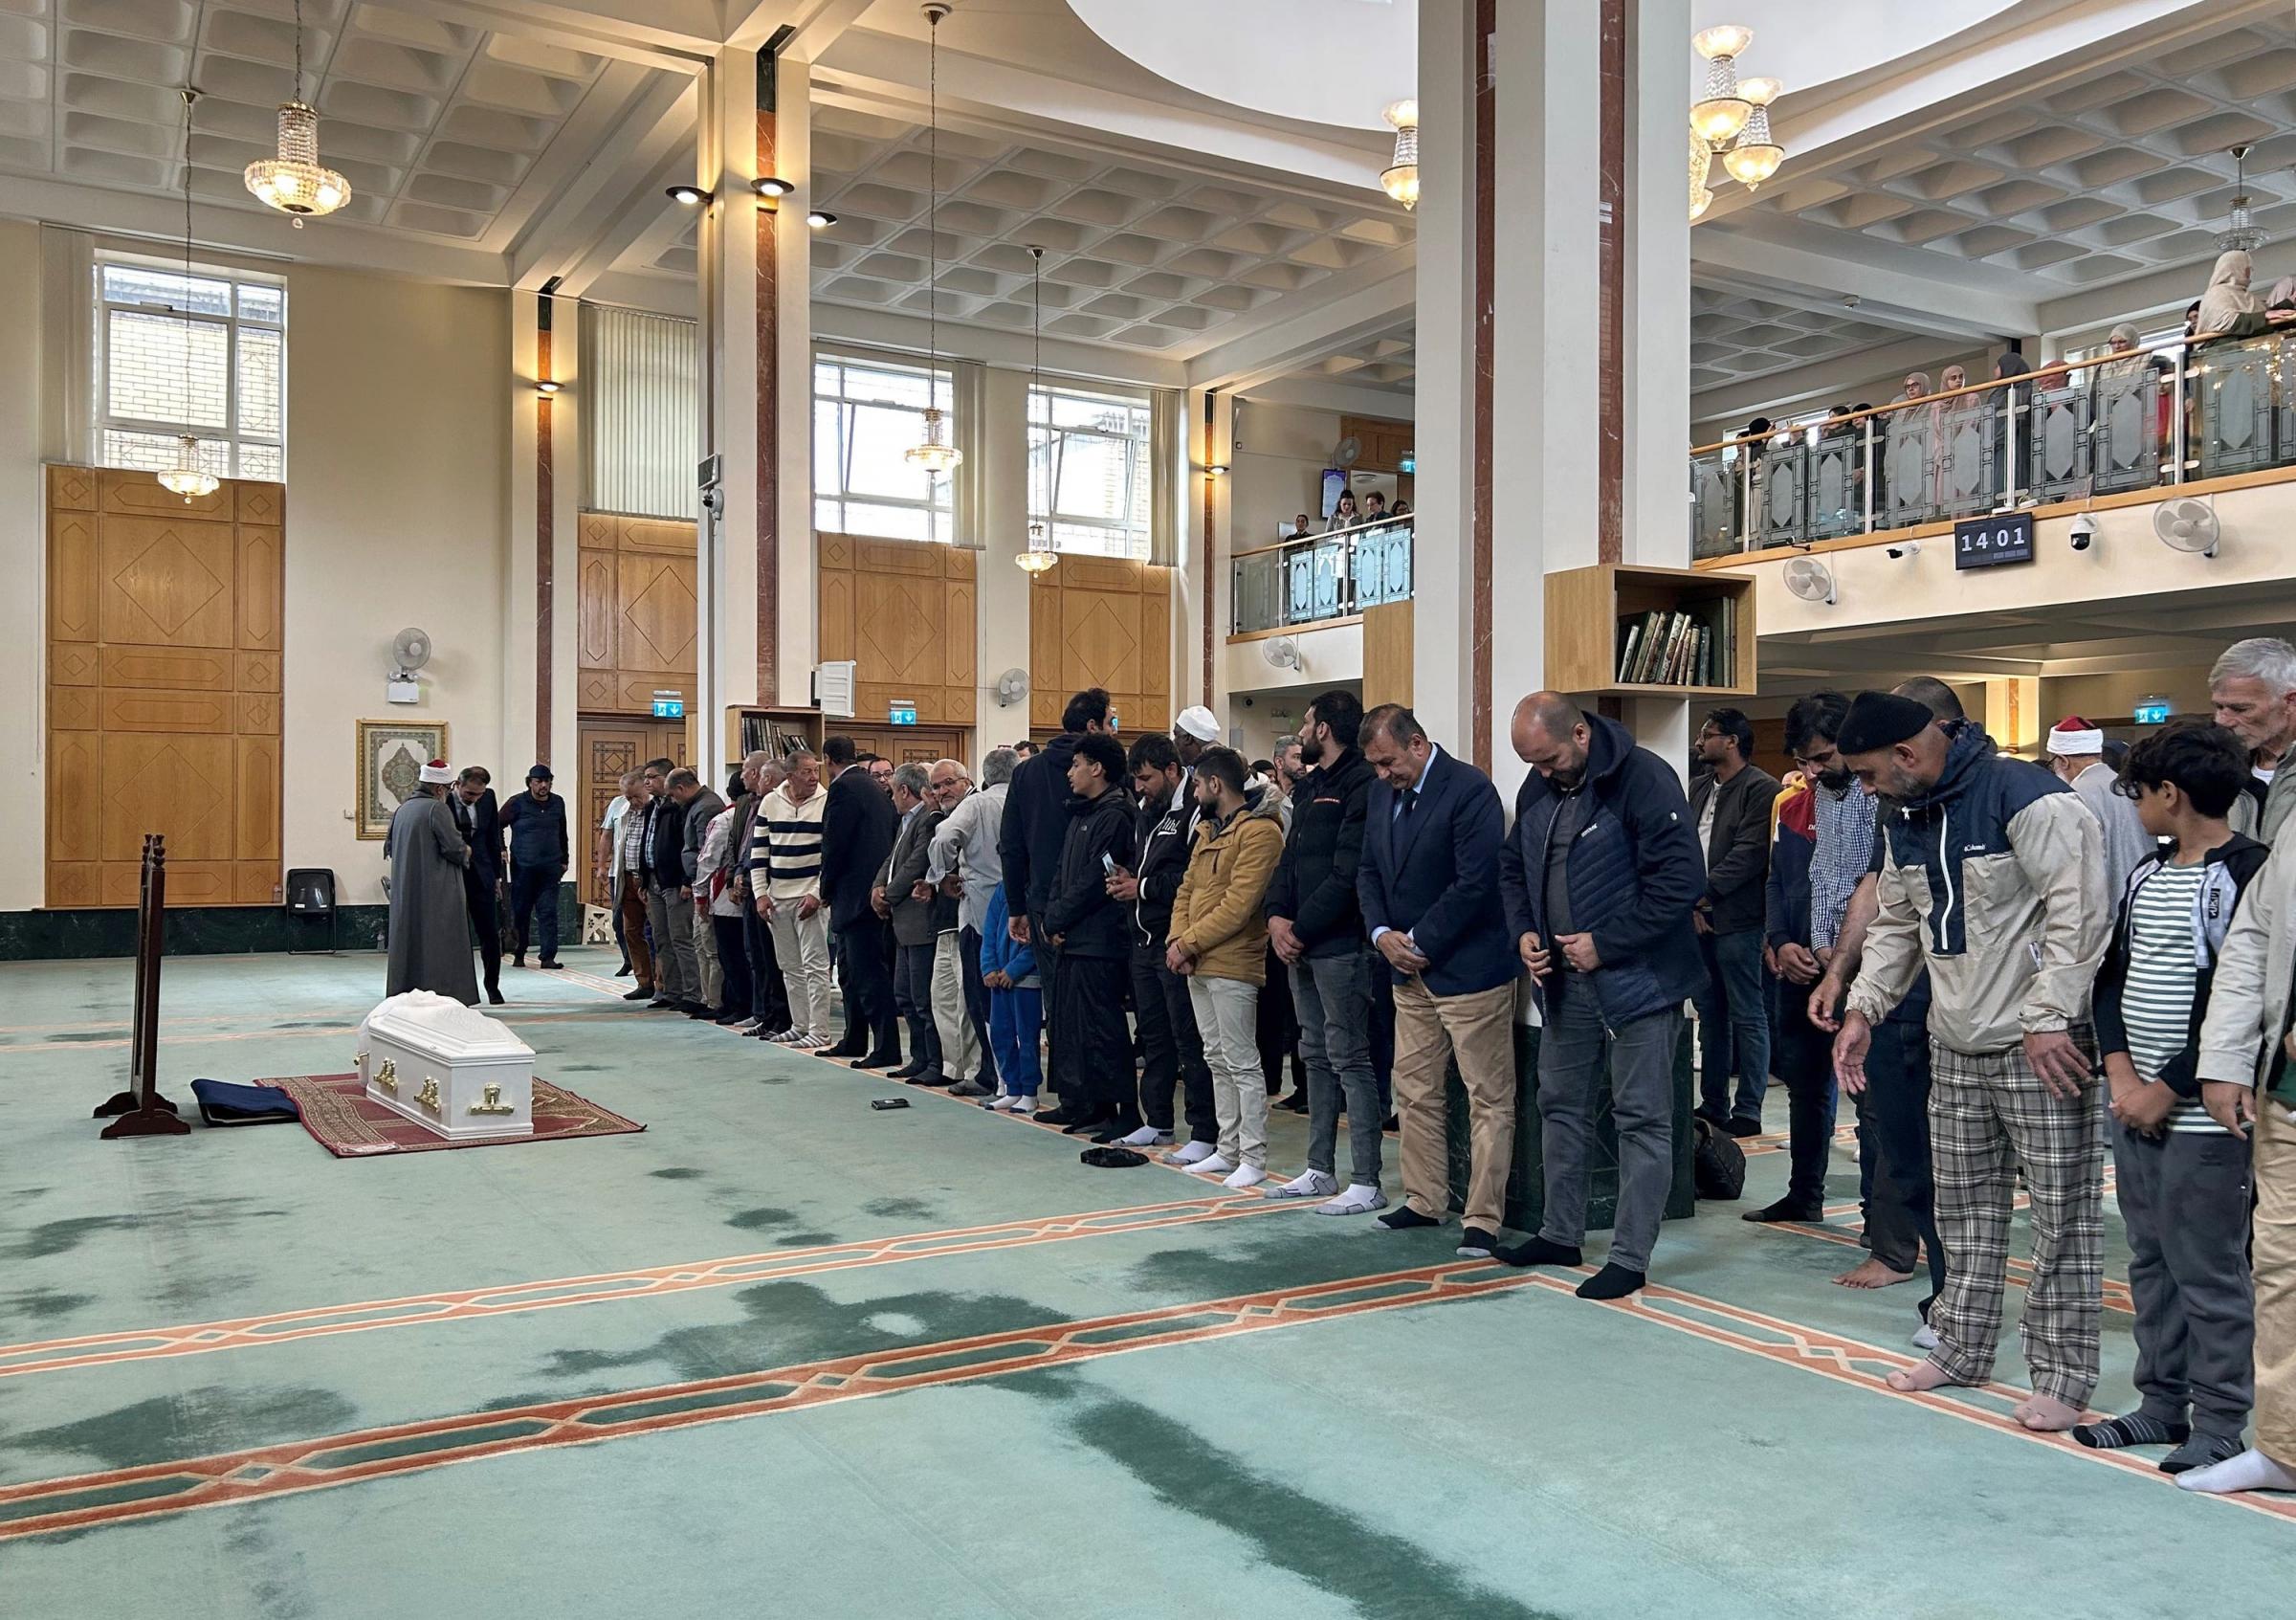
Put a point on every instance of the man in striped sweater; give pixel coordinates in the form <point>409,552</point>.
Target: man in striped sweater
<point>785,876</point>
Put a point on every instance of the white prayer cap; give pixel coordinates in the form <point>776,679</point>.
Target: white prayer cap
<point>438,771</point>
<point>2074,736</point>
<point>1199,722</point>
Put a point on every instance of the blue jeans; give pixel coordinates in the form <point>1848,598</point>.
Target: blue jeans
<point>1733,1015</point>
<point>1014,1017</point>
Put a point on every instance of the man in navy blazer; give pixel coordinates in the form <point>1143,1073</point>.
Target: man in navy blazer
<point>1429,886</point>
<point>857,829</point>
<point>1601,875</point>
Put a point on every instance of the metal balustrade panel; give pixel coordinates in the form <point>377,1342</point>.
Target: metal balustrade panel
<point>1908,470</point>
<point>1714,505</point>
<point>2236,395</point>
<point>1968,479</point>
<point>1781,481</point>
<point>1837,484</point>
<point>2062,449</point>
<point>2130,427</point>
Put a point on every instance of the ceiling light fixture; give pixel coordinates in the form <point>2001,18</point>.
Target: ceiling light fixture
<point>1038,555</point>
<point>1731,119</point>
<point>936,454</point>
<point>1400,179</point>
<point>820,219</point>
<point>687,195</point>
<point>187,477</point>
<point>771,186</point>
<point>2240,234</point>
<point>293,182</point>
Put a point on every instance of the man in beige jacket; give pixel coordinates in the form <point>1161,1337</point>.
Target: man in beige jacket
<point>1994,874</point>
<point>2247,1071</point>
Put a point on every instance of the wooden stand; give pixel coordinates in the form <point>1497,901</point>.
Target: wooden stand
<point>1588,611</point>
<point>140,1108</point>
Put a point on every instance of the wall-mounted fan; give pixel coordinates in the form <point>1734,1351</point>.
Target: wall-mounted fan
<point>1282,652</point>
<point>1012,686</point>
<point>1347,452</point>
<point>1811,580</point>
<point>410,652</point>
<point>2186,524</point>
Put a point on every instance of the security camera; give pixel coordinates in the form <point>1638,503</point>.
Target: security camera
<point>1248,702</point>
<point>1903,550</point>
<point>2084,532</point>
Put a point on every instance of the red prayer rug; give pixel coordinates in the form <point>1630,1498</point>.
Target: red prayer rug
<point>341,1120</point>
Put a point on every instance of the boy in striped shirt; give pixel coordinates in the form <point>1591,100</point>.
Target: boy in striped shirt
<point>2183,1179</point>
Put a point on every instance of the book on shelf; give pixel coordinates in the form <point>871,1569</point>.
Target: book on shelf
<point>1678,646</point>
<point>1631,644</point>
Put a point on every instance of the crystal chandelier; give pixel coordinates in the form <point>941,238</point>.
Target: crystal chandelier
<point>295,183</point>
<point>1731,119</point>
<point>1400,179</point>
<point>1039,555</point>
<point>2240,234</point>
<point>186,478</point>
<point>937,456</point>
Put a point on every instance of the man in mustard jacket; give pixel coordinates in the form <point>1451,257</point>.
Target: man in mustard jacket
<point>1219,943</point>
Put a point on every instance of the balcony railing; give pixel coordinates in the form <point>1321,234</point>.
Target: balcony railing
<point>2152,417</point>
<point>1321,577</point>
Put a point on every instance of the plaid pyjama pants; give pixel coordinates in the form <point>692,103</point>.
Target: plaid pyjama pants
<point>1991,1116</point>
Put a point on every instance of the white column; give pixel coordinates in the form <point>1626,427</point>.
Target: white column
<point>1001,595</point>
<point>799,642</point>
<point>1444,389</point>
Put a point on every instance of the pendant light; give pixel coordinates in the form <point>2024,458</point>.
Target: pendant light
<point>293,182</point>
<point>1400,179</point>
<point>2240,233</point>
<point>1702,165</point>
<point>1040,555</point>
<point>1754,155</point>
<point>937,456</point>
<point>186,478</point>
<point>1722,111</point>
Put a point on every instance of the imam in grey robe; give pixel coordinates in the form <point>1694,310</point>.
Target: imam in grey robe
<point>430,925</point>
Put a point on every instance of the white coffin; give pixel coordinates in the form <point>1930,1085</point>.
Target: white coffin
<point>448,1067</point>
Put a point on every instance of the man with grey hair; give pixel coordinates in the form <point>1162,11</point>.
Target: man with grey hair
<point>2253,690</point>
<point>903,898</point>
<point>965,854</point>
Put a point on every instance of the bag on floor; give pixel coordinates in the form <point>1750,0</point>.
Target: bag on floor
<point>223,1103</point>
<point>1717,1165</point>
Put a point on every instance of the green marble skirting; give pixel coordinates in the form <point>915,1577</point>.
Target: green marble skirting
<point>221,930</point>
<point>1526,1177</point>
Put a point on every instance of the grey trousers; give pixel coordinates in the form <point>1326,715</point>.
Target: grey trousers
<point>2184,1199</point>
<point>1333,996</point>
<point>677,972</point>
<point>1641,1106</point>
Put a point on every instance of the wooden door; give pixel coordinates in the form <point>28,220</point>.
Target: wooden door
<point>905,744</point>
<point>607,748</point>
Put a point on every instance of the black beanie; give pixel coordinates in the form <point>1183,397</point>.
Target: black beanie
<point>1880,720</point>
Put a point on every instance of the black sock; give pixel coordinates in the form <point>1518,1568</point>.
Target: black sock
<point>1540,1251</point>
<point>1613,1282</point>
<point>2136,1429</point>
<point>1403,1217</point>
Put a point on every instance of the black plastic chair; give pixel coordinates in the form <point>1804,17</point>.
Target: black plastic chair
<point>311,894</point>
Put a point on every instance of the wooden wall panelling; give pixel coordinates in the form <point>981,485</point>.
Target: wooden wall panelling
<point>165,623</point>
<point>1387,651</point>
<point>904,612</point>
<point>635,612</point>
<point>1102,621</point>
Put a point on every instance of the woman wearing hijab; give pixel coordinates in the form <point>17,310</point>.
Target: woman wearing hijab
<point>1947,417</point>
<point>2228,308</point>
<point>1899,487</point>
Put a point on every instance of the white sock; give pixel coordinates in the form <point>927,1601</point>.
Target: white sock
<point>1309,1183</point>
<point>1211,1165</point>
<point>1924,1338</point>
<point>1190,1153</point>
<point>1357,1200</point>
<point>2250,1471</point>
<point>1245,1175</point>
<point>1023,1106</point>
<point>1147,1136</point>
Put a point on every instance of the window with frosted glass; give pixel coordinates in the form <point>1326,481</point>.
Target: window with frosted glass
<point>867,415</point>
<point>203,354</point>
<point>1088,470</point>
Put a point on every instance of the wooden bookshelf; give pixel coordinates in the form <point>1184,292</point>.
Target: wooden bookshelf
<point>1590,612</point>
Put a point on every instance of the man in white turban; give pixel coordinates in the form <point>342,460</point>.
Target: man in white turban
<point>430,925</point>
<point>2077,756</point>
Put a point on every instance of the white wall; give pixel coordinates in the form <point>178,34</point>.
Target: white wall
<point>398,444</point>
<point>1277,473</point>
<point>398,412</point>
<point>23,733</point>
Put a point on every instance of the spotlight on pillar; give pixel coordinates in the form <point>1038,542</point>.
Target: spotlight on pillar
<point>1400,179</point>
<point>770,185</point>
<point>821,219</point>
<point>548,386</point>
<point>690,196</point>
<point>1216,470</point>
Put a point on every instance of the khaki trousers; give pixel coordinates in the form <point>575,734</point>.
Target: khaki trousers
<point>959,1047</point>
<point>2274,1253</point>
<point>1478,1030</point>
<point>632,901</point>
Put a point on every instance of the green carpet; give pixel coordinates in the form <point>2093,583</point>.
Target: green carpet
<point>785,1354</point>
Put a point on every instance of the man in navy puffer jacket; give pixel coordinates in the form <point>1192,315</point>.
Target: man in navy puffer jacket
<point>1600,877</point>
